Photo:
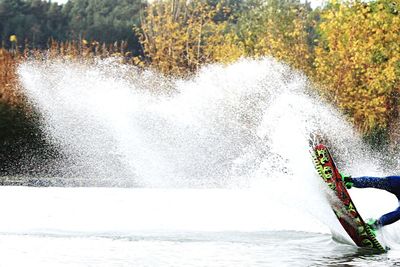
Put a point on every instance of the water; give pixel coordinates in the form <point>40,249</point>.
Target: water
<point>165,227</point>
<point>220,165</point>
<point>216,129</point>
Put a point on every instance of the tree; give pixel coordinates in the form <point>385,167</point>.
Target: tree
<point>178,37</point>
<point>280,29</point>
<point>358,60</point>
<point>104,20</point>
<point>38,21</point>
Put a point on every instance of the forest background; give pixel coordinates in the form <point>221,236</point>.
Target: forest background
<point>350,51</point>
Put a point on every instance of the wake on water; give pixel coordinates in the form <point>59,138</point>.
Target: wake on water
<point>237,133</point>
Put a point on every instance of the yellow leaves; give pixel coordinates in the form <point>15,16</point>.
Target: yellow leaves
<point>360,54</point>
<point>179,36</point>
<point>279,31</point>
<point>13,38</point>
<point>356,56</point>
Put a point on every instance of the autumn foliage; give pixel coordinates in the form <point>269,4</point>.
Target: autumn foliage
<point>178,36</point>
<point>350,49</point>
<point>8,89</point>
<point>280,29</point>
<point>358,60</point>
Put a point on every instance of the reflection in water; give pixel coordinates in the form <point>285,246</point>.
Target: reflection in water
<point>282,248</point>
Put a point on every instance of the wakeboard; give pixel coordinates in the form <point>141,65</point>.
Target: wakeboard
<point>343,207</point>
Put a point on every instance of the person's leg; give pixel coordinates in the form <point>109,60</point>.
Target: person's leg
<point>389,183</point>
<point>372,182</point>
<point>390,217</point>
<point>394,185</point>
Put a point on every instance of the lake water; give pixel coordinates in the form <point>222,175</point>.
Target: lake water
<point>168,227</point>
<point>186,249</point>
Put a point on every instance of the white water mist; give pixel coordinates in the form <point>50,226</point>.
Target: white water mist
<point>242,125</point>
<point>215,129</point>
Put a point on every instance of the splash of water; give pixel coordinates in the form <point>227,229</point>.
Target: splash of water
<point>218,128</point>
<point>242,125</point>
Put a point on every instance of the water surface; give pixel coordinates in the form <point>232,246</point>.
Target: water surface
<point>167,227</point>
